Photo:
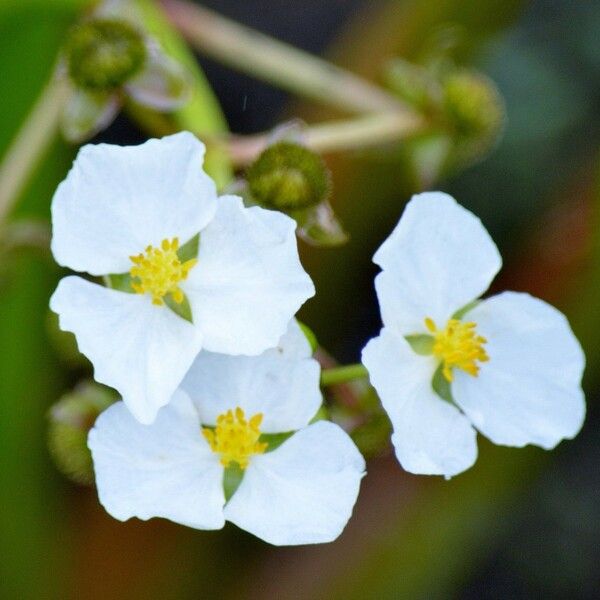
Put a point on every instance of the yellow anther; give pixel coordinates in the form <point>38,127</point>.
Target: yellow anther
<point>158,272</point>
<point>235,438</point>
<point>458,346</point>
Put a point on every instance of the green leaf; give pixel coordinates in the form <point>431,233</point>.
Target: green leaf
<point>33,502</point>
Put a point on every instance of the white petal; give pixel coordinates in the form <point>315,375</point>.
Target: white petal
<point>438,259</point>
<point>161,470</point>
<point>431,436</point>
<point>85,114</point>
<point>530,390</point>
<point>116,200</point>
<point>303,492</point>
<point>282,384</point>
<point>249,282</point>
<point>161,84</point>
<point>140,349</point>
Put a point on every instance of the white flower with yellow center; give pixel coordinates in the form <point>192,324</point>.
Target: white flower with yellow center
<point>215,457</point>
<point>131,211</point>
<point>444,362</point>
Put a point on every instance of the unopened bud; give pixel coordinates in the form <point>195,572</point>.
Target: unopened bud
<point>288,176</point>
<point>475,110</point>
<point>103,54</point>
<point>70,420</point>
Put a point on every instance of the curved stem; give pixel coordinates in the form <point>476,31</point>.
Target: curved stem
<point>276,62</point>
<point>30,144</point>
<point>351,134</point>
<point>337,375</point>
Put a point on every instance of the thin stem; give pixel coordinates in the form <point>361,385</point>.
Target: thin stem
<point>30,144</point>
<point>276,62</point>
<point>351,134</point>
<point>337,375</point>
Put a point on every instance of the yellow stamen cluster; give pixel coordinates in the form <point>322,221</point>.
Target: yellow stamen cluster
<point>235,438</point>
<point>158,272</point>
<point>458,346</point>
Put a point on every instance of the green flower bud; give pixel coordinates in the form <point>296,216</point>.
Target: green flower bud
<point>70,420</point>
<point>103,54</point>
<point>288,176</point>
<point>475,109</point>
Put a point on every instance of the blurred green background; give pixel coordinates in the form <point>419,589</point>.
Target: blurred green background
<point>521,523</point>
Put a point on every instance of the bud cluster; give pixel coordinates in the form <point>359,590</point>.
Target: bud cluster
<point>103,54</point>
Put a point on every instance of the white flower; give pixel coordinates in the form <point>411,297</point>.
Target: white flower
<point>511,362</point>
<point>300,492</point>
<point>124,210</point>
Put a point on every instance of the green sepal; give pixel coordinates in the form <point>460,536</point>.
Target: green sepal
<point>274,440</point>
<point>232,477</point>
<point>189,250</point>
<point>120,282</point>
<point>183,309</point>
<point>441,386</point>
<point>421,343</point>
<point>461,312</point>
<point>319,226</point>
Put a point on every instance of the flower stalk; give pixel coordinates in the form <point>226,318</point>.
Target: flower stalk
<point>271,60</point>
<point>356,133</point>
<point>337,375</point>
<point>30,144</point>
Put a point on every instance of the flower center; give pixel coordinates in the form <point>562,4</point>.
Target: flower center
<point>235,438</point>
<point>158,272</point>
<point>458,346</point>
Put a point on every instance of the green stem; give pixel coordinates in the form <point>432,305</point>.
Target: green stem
<point>30,144</point>
<point>336,375</point>
<point>276,62</point>
<point>351,134</point>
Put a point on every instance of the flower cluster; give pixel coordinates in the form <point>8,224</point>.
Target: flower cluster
<point>220,413</point>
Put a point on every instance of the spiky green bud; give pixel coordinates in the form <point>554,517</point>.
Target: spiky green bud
<point>103,54</point>
<point>475,110</point>
<point>69,422</point>
<point>288,176</point>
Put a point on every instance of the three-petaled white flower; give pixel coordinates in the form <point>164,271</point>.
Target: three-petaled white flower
<point>509,365</point>
<point>126,210</point>
<point>300,492</point>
